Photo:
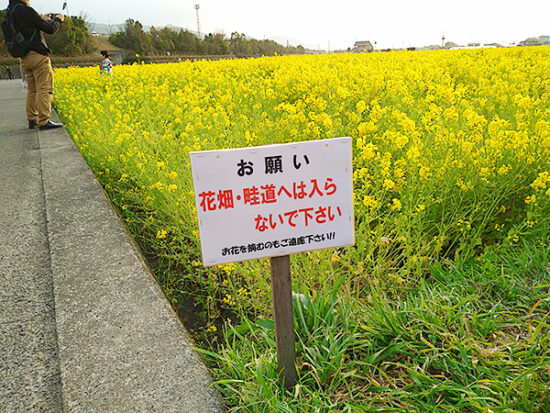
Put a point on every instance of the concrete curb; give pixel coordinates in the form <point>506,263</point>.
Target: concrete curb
<point>121,346</point>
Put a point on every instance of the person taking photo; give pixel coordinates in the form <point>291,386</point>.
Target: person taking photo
<point>36,63</point>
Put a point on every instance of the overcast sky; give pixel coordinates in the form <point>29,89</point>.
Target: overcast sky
<point>390,23</point>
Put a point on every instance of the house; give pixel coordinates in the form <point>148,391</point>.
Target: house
<point>362,46</point>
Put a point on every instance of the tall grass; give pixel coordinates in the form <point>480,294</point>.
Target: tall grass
<point>469,338</point>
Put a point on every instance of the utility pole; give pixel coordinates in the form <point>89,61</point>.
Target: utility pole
<point>197,6</point>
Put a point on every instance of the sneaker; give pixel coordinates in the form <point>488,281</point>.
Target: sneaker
<point>50,125</point>
<point>32,124</point>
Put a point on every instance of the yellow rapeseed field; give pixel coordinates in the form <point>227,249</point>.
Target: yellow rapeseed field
<point>451,148</point>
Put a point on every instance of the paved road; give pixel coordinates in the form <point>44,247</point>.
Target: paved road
<point>84,327</point>
<point>29,365</point>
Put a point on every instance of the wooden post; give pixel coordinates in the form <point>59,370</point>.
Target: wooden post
<point>284,319</point>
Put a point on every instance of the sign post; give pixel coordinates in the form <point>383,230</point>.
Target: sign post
<point>281,285</point>
<point>272,201</point>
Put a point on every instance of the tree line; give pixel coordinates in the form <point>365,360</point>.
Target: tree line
<point>73,39</point>
<point>167,40</point>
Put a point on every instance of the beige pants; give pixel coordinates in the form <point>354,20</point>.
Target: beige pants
<point>39,75</point>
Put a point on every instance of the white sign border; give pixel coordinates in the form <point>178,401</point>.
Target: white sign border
<point>283,250</point>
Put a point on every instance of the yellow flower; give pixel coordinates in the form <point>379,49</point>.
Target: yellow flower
<point>369,151</point>
<point>159,185</point>
<point>360,106</point>
<point>452,132</point>
<point>396,204</point>
<point>388,184</point>
<point>541,181</point>
<point>413,152</point>
<point>370,202</point>
<point>228,299</point>
<point>401,140</point>
<point>503,170</point>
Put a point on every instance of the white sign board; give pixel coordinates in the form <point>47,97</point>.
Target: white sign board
<point>273,200</point>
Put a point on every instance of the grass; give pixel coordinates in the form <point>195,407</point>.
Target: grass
<point>474,336</point>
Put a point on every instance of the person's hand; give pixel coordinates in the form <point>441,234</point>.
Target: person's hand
<point>51,16</point>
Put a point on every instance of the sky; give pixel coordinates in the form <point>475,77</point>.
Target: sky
<point>330,24</point>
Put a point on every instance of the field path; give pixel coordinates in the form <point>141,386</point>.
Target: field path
<point>84,327</point>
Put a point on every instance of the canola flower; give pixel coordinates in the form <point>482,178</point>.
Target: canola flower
<point>451,148</point>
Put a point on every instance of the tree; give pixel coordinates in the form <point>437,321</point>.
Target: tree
<point>169,40</point>
<point>188,43</point>
<point>215,44</point>
<point>133,37</point>
<point>160,41</point>
<point>239,45</point>
<point>72,39</point>
<point>163,40</point>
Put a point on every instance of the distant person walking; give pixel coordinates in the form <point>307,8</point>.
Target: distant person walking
<point>10,73</point>
<point>36,63</point>
<point>106,66</point>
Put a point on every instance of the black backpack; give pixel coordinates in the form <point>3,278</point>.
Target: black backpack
<point>17,44</point>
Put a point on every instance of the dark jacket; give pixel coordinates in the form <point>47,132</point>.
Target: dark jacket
<point>27,20</point>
